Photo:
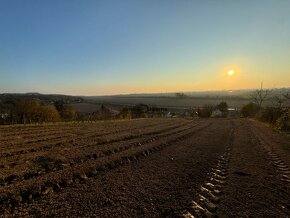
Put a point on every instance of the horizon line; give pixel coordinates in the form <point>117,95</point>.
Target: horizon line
<point>141,93</point>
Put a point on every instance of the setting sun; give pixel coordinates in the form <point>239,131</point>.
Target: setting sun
<point>231,72</point>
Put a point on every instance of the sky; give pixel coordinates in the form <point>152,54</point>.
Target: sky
<point>103,47</point>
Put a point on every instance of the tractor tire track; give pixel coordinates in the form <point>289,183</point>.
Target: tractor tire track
<point>280,166</point>
<point>206,201</point>
<point>254,186</point>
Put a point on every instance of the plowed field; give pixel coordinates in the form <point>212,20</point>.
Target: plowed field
<point>145,168</point>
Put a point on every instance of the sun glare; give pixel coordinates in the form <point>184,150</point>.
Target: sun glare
<point>231,72</point>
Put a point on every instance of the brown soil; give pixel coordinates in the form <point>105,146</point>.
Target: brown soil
<point>145,168</point>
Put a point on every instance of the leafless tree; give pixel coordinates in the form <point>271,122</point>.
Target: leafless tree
<point>260,95</point>
<point>279,100</point>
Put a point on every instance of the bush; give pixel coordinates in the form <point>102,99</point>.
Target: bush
<point>68,113</point>
<point>250,110</point>
<point>48,113</point>
<point>283,122</point>
<point>126,113</point>
<point>206,111</point>
<point>31,111</point>
<point>270,114</point>
<point>28,110</point>
<point>222,106</point>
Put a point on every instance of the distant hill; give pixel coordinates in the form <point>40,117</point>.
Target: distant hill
<point>11,98</point>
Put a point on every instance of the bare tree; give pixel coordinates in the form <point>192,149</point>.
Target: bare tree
<point>260,95</point>
<point>279,100</point>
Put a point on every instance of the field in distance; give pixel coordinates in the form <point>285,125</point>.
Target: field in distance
<point>179,101</point>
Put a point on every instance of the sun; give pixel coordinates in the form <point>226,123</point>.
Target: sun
<point>231,72</point>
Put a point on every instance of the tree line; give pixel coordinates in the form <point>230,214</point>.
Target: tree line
<point>209,110</point>
<point>278,115</point>
<point>26,111</point>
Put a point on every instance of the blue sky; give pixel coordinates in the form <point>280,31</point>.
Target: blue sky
<point>94,47</point>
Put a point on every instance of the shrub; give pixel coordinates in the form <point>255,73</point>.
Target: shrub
<point>28,110</point>
<point>250,110</point>
<point>222,106</point>
<point>126,113</point>
<point>68,113</point>
<point>48,113</point>
<point>206,111</point>
<point>283,122</point>
<point>270,114</point>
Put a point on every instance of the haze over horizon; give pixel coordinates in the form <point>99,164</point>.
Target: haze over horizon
<point>120,47</point>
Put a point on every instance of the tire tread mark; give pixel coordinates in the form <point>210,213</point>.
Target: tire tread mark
<point>207,199</point>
